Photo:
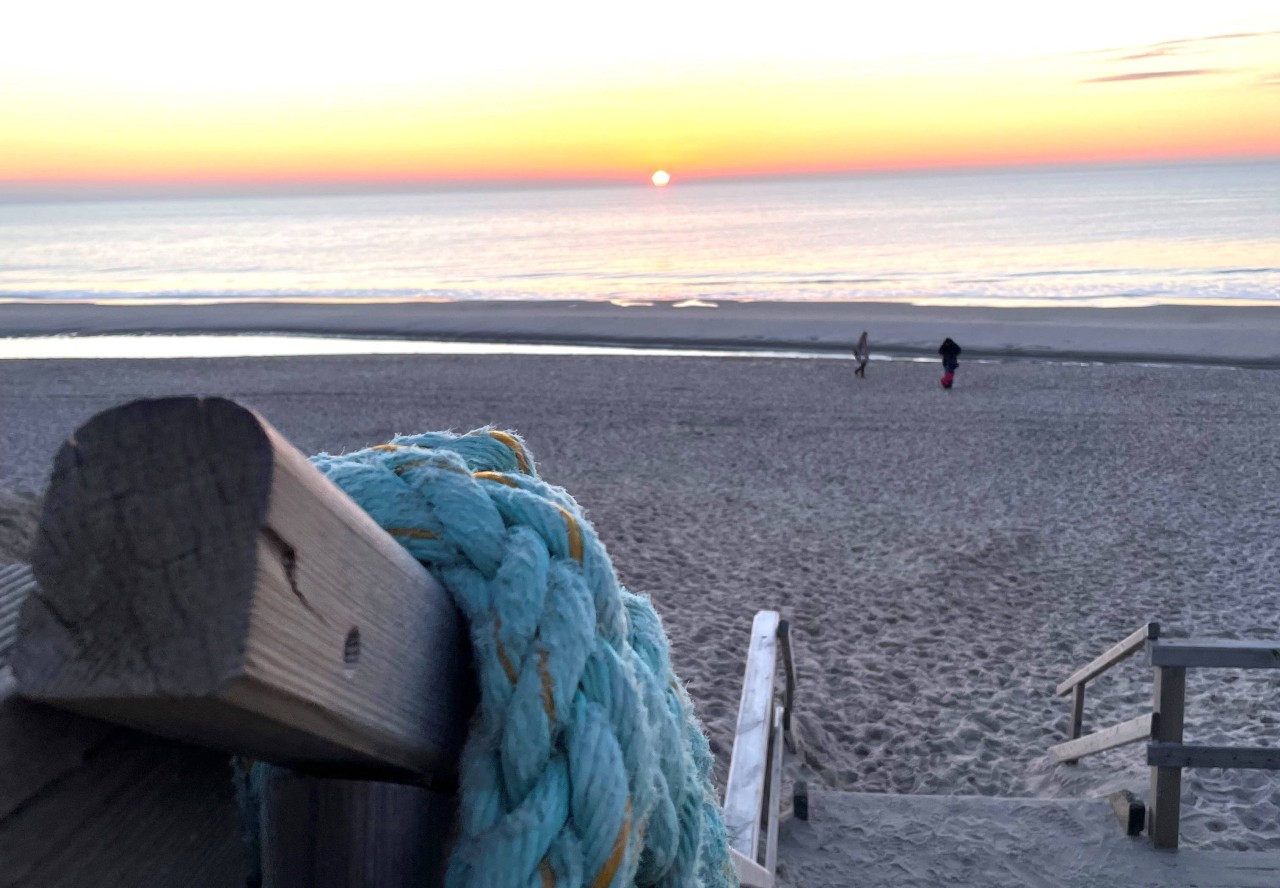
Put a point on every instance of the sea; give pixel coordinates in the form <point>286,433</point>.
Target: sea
<point>1109,236</point>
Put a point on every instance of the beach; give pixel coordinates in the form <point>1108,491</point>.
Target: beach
<point>1225,333</point>
<point>945,558</point>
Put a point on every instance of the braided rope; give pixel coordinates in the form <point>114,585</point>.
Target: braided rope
<point>585,764</point>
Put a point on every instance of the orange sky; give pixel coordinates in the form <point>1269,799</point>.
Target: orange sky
<point>281,92</point>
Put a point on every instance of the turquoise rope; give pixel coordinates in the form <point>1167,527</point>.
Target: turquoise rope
<point>585,764</point>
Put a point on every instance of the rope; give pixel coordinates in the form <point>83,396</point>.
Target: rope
<point>585,764</point>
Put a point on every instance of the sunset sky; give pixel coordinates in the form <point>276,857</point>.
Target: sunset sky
<point>251,93</point>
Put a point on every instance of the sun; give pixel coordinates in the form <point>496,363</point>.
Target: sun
<point>661,178</point>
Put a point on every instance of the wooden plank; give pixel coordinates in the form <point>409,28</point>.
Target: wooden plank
<point>355,834</point>
<point>1131,731</point>
<point>140,811</point>
<point>744,789</point>
<point>750,873</point>
<point>1217,653</point>
<point>39,745</point>
<point>789,672</point>
<point>774,793</point>
<point>1168,701</point>
<point>198,578</point>
<point>1114,655</point>
<point>1129,810</point>
<point>1178,755</point>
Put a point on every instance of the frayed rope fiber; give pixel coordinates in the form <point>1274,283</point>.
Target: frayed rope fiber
<point>585,764</point>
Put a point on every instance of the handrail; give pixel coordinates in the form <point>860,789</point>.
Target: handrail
<point>1123,734</point>
<point>753,789</point>
<point>789,670</point>
<point>1167,755</point>
<point>1215,653</point>
<point>1116,653</point>
<point>1075,685</point>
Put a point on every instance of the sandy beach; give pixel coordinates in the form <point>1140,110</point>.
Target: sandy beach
<point>945,557</point>
<point>1238,335</point>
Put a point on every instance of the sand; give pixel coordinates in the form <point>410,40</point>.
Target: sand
<point>917,841</point>
<point>945,558</point>
<point>1229,334</point>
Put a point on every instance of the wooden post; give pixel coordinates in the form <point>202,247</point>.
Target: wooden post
<point>198,578</point>
<point>789,672</point>
<point>1077,716</point>
<point>354,834</point>
<point>1166,783</point>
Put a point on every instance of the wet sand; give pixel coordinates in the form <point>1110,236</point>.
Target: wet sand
<point>1220,334</point>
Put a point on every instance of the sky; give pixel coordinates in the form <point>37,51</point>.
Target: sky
<point>151,94</point>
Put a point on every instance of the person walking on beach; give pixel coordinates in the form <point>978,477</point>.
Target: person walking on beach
<point>950,361</point>
<point>861,354</point>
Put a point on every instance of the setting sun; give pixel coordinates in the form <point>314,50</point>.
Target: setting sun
<point>661,177</point>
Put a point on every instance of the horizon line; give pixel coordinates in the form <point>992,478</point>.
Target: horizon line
<point>21,192</point>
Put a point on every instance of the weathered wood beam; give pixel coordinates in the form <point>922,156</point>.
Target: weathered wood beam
<point>748,766</point>
<point>1217,653</point>
<point>198,578</point>
<point>1178,755</point>
<point>1168,702</point>
<point>1113,655</point>
<point>1130,731</point>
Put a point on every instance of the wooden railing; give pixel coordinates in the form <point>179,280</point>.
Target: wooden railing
<point>1117,735</point>
<point>1167,755</point>
<point>752,796</point>
<point>198,578</point>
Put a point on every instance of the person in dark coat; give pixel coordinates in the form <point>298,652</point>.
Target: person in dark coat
<point>861,354</point>
<point>950,361</point>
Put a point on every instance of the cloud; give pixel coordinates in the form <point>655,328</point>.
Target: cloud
<point>1181,46</point>
<point>1151,75</point>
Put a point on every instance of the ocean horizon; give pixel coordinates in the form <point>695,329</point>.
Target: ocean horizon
<point>1103,236</point>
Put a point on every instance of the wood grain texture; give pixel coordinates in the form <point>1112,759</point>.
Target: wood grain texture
<point>355,834</point>
<point>198,578</point>
<point>138,810</point>
<point>748,767</point>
